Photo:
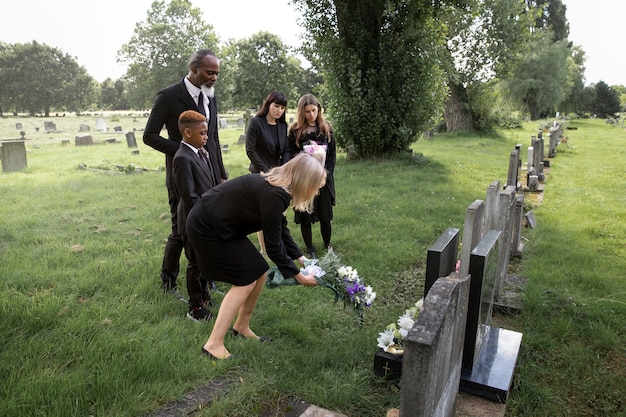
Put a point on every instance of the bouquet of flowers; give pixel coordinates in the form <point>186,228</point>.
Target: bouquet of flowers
<point>342,280</point>
<point>316,151</point>
<point>391,340</point>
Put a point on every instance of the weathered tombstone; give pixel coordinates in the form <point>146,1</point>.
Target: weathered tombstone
<point>13,155</point>
<point>225,148</point>
<point>531,221</point>
<point>431,367</point>
<point>246,116</point>
<point>472,232</point>
<point>83,128</point>
<point>505,212</point>
<point>223,123</point>
<point>65,142</point>
<point>491,207</point>
<point>555,133</point>
<point>538,157</point>
<point>240,122</point>
<point>130,140</point>
<point>117,129</point>
<point>49,126</point>
<point>529,162</point>
<point>517,246</point>
<point>18,126</point>
<point>441,258</point>
<point>513,173</point>
<point>83,139</point>
<point>101,125</point>
<point>489,353</point>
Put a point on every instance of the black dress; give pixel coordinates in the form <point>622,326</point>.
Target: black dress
<point>219,224</point>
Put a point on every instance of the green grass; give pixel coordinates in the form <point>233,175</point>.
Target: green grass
<point>86,330</point>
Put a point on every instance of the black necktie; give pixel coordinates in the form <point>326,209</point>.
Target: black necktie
<point>201,103</point>
<point>205,157</point>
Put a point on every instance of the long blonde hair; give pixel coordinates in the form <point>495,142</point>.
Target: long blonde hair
<point>302,177</point>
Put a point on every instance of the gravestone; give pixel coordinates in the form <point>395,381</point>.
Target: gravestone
<point>505,213</point>
<point>246,117</point>
<point>49,126</point>
<point>83,139</point>
<point>223,123</point>
<point>83,128</point>
<point>538,158</point>
<point>529,161</point>
<point>431,367</point>
<point>491,207</point>
<point>18,126</point>
<point>441,257</point>
<point>130,140</point>
<point>240,122</point>
<point>117,129</point>
<point>13,155</point>
<point>513,173</point>
<point>517,246</point>
<point>472,232</point>
<point>101,125</point>
<point>555,135</point>
<point>489,353</point>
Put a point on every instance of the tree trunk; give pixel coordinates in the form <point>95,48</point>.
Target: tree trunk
<point>458,112</point>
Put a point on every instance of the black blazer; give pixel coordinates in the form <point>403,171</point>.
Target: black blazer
<point>168,105</point>
<point>192,178</point>
<point>260,146</point>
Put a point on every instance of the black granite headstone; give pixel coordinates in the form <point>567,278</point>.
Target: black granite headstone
<point>441,258</point>
<point>130,140</point>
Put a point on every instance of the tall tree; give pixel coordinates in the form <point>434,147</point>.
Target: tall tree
<point>482,39</point>
<point>379,60</point>
<point>606,101</point>
<point>264,64</point>
<point>36,78</point>
<point>539,79</point>
<point>159,50</point>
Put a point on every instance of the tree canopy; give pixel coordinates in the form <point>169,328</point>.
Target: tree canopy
<point>379,62</point>
<point>158,52</point>
<point>37,78</point>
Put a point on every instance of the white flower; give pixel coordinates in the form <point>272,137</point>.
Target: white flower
<point>406,322</point>
<point>315,269</point>
<point>386,339</point>
<point>370,295</point>
<point>420,304</point>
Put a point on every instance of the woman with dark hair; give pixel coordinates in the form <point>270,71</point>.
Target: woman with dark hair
<point>218,227</point>
<point>313,134</point>
<point>266,138</point>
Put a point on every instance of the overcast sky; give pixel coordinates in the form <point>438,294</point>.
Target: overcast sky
<point>93,31</point>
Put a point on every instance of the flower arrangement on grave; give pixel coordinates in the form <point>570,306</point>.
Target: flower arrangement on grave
<point>391,340</point>
<point>343,280</point>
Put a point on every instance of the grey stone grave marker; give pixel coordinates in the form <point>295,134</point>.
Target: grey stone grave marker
<point>505,213</point>
<point>513,173</point>
<point>538,158</point>
<point>101,125</point>
<point>18,126</point>
<point>431,367</point>
<point>130,140</point>
<point>49,126</point>
<point>517,246</point>
<point>223,123</point>
<point>491,207</point>
<point>13,155</point>
<point>489,353</point>
<point>441,258</point>
<point>83,128</point>
<point>83,139</point>
<point>117,129</point>
<point>472,232</point>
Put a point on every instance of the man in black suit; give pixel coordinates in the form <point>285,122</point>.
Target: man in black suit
<point>193,92</point>
<point>193,176</point>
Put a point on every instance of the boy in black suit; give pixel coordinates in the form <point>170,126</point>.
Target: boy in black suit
<point>193,175</point>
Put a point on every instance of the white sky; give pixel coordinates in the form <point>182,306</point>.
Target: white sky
<point>93,31</point>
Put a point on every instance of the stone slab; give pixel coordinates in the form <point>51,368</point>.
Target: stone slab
<point>492,375</point>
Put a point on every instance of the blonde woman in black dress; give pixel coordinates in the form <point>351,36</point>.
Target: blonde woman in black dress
<point>218,227</point>
<point>312,133</point>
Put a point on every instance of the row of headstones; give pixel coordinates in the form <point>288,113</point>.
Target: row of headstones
<point>453,345</point>
<point>536,157</point>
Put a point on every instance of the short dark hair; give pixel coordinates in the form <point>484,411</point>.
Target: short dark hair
<point>198,56</point>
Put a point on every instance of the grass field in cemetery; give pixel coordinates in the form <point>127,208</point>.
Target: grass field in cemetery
<point>86,330</point>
